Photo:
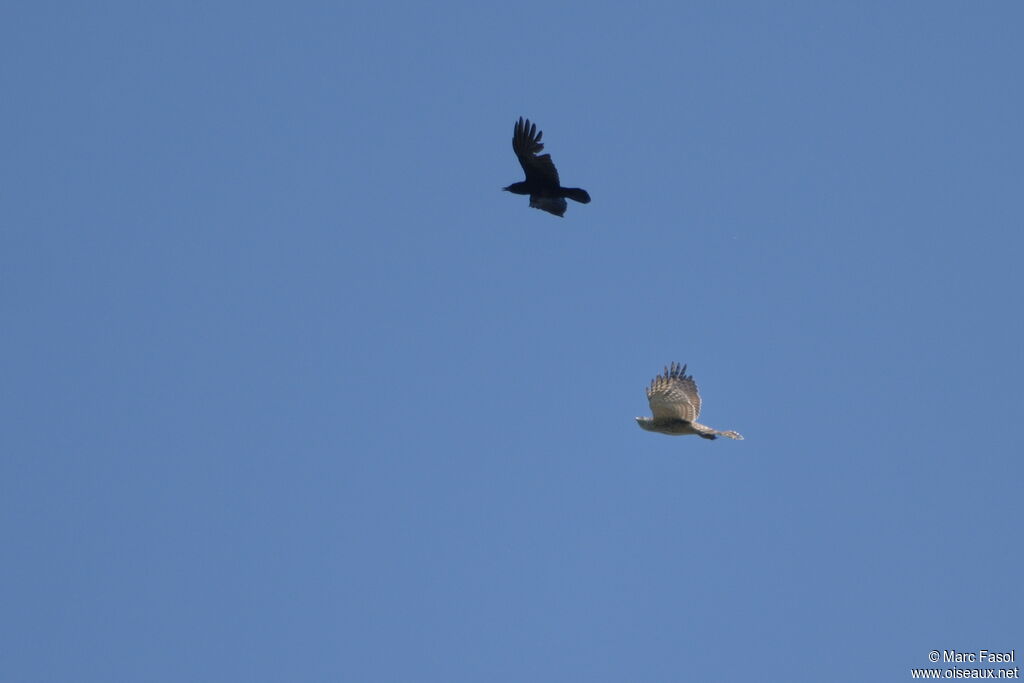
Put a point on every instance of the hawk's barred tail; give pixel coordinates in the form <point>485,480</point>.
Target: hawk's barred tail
<point>732,435</point>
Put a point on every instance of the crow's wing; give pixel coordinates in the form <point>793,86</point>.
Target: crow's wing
<point>526,143</point>
<point>555,205</point>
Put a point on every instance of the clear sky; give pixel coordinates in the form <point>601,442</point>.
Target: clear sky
<point>290,390</point>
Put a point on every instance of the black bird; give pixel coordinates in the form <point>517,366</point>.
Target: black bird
<point>542,184</point>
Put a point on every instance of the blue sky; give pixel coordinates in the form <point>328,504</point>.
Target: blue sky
<point>292,391</point>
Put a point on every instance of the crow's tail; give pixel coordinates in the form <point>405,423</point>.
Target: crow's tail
<point>576,194</point>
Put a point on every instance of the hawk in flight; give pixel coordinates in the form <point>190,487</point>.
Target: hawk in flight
<point>542,183</point>
<point>675,403</point>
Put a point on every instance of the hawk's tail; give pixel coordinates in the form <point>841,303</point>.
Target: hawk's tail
<point>711,433</point>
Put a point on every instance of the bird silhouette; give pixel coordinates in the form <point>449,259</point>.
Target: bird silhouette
<point>542,183</point>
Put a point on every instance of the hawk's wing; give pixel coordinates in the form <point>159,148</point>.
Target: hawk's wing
<point>673,394</point>
<point>526,143</point>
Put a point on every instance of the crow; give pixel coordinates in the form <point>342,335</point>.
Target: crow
<point>542,184</point>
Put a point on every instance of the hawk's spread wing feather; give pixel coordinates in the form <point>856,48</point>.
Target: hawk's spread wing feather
<point>673,394</point>
<point>526,143</point>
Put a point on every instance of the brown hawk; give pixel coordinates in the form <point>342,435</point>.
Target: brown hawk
<point>675,403</point>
